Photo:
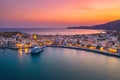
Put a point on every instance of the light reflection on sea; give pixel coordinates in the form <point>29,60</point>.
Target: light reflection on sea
<point>58,64</point>
<point>53,31</point>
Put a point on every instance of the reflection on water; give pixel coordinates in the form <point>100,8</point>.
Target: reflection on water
<point>26,50</point>
<point>113,63</point>
<point>20,52</point>
<point>54,30</point>
<point>66,31</point>
<point>58,64</point>
<point>23,51</point>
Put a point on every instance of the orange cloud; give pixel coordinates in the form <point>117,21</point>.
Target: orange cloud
<point>62,11</point>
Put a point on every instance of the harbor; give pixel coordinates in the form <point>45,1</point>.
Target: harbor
<point>59,39</point>
<point>107,43</point>
<point>58,64</point>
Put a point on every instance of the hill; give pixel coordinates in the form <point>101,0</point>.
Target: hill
<point>113,25</point>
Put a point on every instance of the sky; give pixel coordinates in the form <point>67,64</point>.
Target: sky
<point>57,13</point>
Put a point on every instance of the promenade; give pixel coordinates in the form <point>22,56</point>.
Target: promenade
<point>105,42</point>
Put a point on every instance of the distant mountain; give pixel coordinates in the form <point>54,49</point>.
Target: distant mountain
<point>114,25</point>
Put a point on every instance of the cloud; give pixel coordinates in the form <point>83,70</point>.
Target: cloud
<point>59,11</point>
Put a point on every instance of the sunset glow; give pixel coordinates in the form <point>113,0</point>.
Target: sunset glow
<point>57,13</point>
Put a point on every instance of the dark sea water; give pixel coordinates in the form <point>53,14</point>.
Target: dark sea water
<point>58,64</point>
<point>52,30</point>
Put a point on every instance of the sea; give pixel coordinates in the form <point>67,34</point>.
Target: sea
<point>58,64</point>
<point>52,31</point>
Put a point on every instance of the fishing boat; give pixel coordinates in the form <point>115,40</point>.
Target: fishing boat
<point>36,50</point>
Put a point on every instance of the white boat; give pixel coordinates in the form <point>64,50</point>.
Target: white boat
<point>37,50</point>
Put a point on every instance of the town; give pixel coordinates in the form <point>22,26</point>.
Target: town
<point>107,41</point>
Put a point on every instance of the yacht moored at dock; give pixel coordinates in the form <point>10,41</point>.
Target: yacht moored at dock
<point>37,50</point>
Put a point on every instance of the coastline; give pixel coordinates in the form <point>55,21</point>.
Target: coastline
<point>19,40</point>
<point>77,48</point>
<point>85,49</point>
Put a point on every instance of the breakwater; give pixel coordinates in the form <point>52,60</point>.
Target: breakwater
<point>85,49</point>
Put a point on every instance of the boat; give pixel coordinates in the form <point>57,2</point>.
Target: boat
<point>36,50</point>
